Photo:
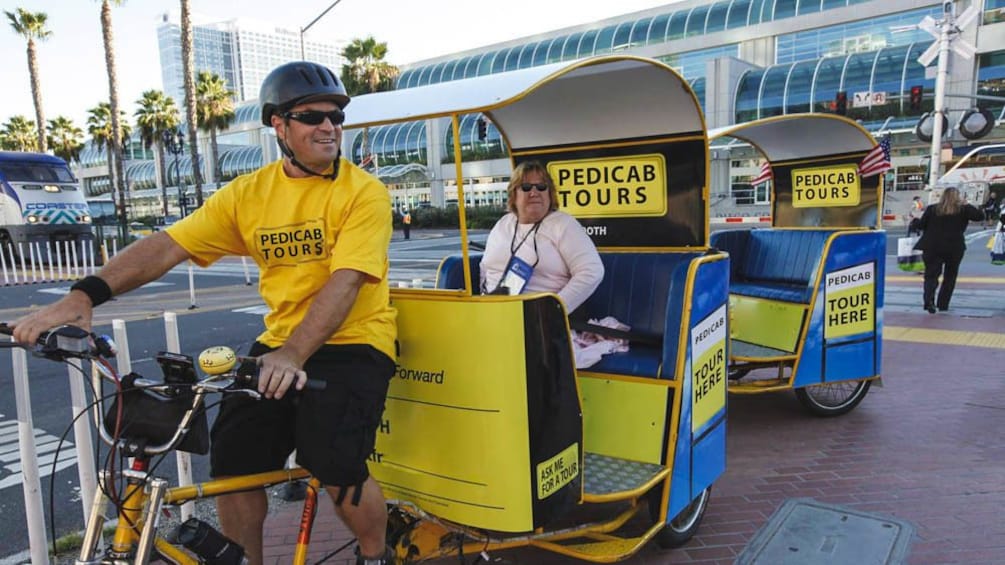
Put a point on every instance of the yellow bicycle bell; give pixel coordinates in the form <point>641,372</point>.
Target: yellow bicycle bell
<point>217,360</point>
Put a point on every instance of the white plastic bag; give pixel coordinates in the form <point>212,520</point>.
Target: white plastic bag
<point>909,259</point>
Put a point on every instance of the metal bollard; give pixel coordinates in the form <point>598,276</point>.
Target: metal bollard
<point>183,459</point>
<point>3,267</point>
<point>191,287</point>
<point>76,263</point>
<point>247,273</point>
<point>13,263</point>
<point>59,260</point>
<point>52,268</point>
<point>32,484</point>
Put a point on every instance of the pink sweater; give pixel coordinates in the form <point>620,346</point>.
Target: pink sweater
<point>567,261</point>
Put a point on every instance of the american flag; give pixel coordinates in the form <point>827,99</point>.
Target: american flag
<point>764,175</point>
<point>877,160</point>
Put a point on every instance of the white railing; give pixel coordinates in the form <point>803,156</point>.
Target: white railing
<point>86,468</point>
<point>43,262</point>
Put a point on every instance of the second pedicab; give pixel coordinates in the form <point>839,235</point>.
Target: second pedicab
<point>806,294</point>
<point>491,437</point>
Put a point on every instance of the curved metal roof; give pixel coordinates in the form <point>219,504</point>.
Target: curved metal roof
<point>800,136</point>
<point>550,105</point>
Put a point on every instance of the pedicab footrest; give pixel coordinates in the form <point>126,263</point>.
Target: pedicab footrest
<point>746,350</point>
<point>604,475</point>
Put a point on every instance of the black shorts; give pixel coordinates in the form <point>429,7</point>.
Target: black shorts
<point>333,430</point>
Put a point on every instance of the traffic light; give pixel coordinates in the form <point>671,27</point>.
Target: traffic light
<point>917,92</point>
<point>483,129</point>
<point>841,103</point>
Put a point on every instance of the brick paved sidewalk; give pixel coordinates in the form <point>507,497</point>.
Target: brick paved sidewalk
<point>928,447</point>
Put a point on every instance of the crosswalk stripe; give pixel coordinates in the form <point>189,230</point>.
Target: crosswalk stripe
<point>45,453</point>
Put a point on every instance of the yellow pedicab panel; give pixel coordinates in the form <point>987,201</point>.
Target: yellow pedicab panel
<point>482,424</point>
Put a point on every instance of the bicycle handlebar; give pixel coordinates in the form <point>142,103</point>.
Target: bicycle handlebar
<point>220,364</point>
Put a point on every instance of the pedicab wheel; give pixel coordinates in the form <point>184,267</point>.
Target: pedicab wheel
<point>684,525</point>
<point>833,399</point>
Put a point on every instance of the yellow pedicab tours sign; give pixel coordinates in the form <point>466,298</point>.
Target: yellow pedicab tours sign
<point>611,187</point>
<point>821,187</point>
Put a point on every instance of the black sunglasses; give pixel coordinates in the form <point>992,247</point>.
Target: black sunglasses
<point>528,186</point>
<point>315,117</point>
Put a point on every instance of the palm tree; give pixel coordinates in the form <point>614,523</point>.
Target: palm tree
<point>18,134</point>
<point>65,139</point>
<point>116,172</point>
<point>99,126</point>
<point>31,26</point>
<point>366,71</point>
<point>156,115</point>
<point>188,69</point>
<point>214,111</point>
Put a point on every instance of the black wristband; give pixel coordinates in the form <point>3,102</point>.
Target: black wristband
<point>95,288</point>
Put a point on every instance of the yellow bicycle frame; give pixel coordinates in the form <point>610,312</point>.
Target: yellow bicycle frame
<point>131,525</point>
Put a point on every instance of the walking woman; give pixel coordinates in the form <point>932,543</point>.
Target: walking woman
<point>942,245</point>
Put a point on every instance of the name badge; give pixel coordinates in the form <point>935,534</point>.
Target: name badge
<point>518,272</point>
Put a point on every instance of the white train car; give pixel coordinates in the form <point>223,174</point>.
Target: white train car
<point>40,202</point>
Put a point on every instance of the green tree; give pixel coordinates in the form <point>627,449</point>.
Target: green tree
<point>31,26</point>
<point>188,69</point>
<point>18,134</point>
<point>99,127</point>
<point>65,139</point>
<point>116,167</point>
<point>214,111</point>
<point>157,114</point>
<point>366,70</point>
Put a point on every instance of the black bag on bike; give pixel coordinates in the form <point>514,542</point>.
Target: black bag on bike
<point>153,418</point>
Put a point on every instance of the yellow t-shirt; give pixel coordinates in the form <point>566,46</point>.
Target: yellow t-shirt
<point>299,231</point>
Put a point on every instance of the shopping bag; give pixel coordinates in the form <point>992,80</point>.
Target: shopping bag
<point>909,259</point>
<point>998,248</point>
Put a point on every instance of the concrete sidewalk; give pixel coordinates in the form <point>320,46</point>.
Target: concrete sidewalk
<point>927,448</point>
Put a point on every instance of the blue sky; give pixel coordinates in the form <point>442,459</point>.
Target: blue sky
<point>72,60</point>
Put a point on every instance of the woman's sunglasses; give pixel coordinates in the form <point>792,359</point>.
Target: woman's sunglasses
<point>528,186</point>
<point>316,117</point>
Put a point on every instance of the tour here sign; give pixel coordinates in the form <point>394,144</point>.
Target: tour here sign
<point>821,187</point>
<point>850,301</point>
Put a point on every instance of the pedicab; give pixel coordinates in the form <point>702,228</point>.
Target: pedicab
<point>491,438</point>
<point>806,294</point>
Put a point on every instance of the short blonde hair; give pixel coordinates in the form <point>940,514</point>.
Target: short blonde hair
<point>517,178</point>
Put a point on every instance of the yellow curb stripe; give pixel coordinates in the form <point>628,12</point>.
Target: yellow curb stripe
<point>918,279</point>
<point>990,340</point>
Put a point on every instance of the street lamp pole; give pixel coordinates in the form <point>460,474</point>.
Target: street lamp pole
<point>174,141</point>
<point>304,29</point>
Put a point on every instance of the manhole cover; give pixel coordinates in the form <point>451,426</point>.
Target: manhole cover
<point>806,532</point>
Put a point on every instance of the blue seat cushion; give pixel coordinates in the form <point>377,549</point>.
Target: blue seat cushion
<point>450,274</point>
<point>783,256</point>
<point>777,264</point>
<point>640,361</point>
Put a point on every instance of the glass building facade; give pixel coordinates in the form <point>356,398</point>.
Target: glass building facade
<point>812,86</point>
<point>680,23</point>
<point>763,69</point>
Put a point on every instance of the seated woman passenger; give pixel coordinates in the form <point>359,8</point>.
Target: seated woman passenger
<point>536,247</point>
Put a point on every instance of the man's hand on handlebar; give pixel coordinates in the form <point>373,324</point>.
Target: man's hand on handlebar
<point>74,308</point>
<point>277,372</point>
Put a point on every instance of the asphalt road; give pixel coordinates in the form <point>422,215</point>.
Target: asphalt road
<point>229,313</point>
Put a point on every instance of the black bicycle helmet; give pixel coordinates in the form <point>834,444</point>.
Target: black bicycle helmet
<point>296,83</point>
